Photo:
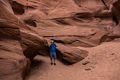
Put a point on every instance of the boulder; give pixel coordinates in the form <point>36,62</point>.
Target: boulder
<point>70,54</point>
<point>33,44</point>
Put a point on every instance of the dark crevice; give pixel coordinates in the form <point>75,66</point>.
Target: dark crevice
<point>107,38</point>
<point>59,41</point>
<point>83,15</point>
<point>66,42</point>
<point>61,21</point>
<point>76,19</point>
<point>31,22</point>
<point>77,2</point>
<point>30,7</point>
<point>114,18</point>
<point>35,64</point>
<point>17,8</point>
<point>105,4</point>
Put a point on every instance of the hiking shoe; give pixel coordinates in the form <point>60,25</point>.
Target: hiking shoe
<point>54,63</point>
<point>51,63</point>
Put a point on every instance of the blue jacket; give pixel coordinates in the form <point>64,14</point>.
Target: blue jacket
<point>53,48</point>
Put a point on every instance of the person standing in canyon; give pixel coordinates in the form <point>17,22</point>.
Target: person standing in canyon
<point>53,52</point>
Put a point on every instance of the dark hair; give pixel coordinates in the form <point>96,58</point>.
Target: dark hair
<point>52,39</point>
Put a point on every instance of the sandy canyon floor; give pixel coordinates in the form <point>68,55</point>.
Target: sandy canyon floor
<point>101,64</point>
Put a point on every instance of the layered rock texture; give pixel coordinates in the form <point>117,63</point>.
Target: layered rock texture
<point>12,60</point>
<point>72,22</point>
<point>26,27</point>
<point>15,38</point>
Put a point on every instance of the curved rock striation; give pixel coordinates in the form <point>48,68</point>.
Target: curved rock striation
<point>14,64</point>
<point>27,27</point>
<point>85,24</point>
<point>20,43</point>
<point>12,60</point>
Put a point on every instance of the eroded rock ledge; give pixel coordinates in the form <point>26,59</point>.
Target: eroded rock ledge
<point>19,44</point>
